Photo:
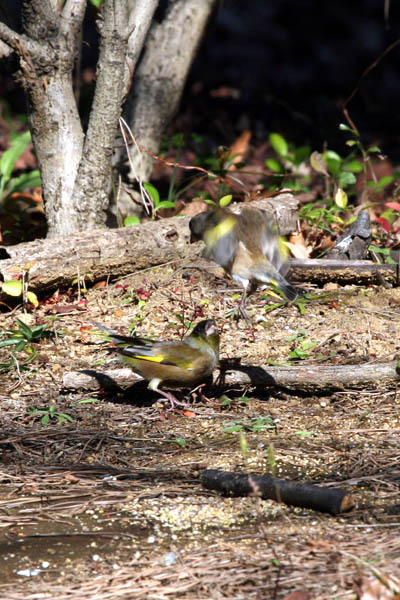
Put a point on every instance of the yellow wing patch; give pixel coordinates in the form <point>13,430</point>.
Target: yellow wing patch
<point>212,236</point>
<point>157,359</point>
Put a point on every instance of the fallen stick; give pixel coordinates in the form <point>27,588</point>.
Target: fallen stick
<point>360,272</point>
<point>305,495</point>
<point>304,377</point>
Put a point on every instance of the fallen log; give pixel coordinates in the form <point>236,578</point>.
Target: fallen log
<point>305,495</point>
<point>360,272</point>
<point>112,253</point>
<point>304,377</point>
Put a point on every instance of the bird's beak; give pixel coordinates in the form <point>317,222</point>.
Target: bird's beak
<point>212,329</point>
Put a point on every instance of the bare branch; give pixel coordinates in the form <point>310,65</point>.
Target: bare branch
<point>72,17</point>
<point>141,15</point>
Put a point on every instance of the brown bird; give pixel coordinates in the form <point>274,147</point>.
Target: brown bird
<point>176,363</point>
<point>245,246</point>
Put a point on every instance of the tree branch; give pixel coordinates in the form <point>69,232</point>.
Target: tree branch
<point>72,17</point>
<point>141,15</point>
<point>14,40</point>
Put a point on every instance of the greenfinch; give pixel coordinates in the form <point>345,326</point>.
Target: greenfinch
<point>175,363</point>
<point>245,246</point>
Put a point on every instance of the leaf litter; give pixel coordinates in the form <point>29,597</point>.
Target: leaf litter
<point>110,505</point>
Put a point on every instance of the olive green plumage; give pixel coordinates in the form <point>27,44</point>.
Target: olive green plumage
<point>245,246</point>
<point>175,363</point>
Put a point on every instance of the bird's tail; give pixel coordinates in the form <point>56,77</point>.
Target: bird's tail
<point>274,277</point>
<point>287,288</point>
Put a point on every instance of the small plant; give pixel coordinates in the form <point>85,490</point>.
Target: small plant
<point>304,345</point>
<point>256,424</point>
<point>19,287</point>
<point>300,302</point>
<point>389,220</point>
<point>181,442</point>
<point>305,434</point>
<point>23,337</point>
<point>9,184</point>
<point>158,204</point>
<point>50,413</point>
<point>288,162</point>
<point>226,401</point>
<point>20,339</point>
<point>222,202</point>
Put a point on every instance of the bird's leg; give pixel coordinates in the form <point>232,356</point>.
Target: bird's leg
<point>199,389</point>
<point>171,398</point>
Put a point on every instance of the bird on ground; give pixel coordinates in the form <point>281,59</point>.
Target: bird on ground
<point>245,246</point>
<point>176,364</point>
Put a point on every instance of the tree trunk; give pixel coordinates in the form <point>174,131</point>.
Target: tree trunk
<point>160,78</point>
<point>75,169</point>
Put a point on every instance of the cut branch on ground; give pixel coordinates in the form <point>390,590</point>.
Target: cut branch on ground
<point>305,495</point>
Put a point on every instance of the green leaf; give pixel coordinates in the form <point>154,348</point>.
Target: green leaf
<point>304,434</point>
<point>274,165</point>
<point>88,401</point>
<point>131,221</point>
<point>279,144</point>
<point>153,193</point>
<point>96,3</point>
<point>386,180</point>
<point>301,154</point>
<point>178,140</point>
<point>374,149</point>
<point>232,427</point>
<point>10,156</point>
<point>225,200</point>
<point>333,165</point>
<point>225,400</point>
<point>346,178</point>
<point>10,342</point>
<point>355,166</point>
<point>351,143</point>
<point>26,330</point>
<point>12,287</point>
<point>332,155</point>
<point>32,299</point>
<point>165,204</point>
<point>25,181</point>
<point>344,127</point>
<point>298,353</point>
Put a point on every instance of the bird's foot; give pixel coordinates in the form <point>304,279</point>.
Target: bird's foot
<point>167,396</point>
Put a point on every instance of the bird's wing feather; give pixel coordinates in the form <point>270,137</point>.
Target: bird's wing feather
<point>177,354</point>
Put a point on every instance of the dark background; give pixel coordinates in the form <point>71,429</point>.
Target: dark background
<point>294,63</point>
<point>290,63</point>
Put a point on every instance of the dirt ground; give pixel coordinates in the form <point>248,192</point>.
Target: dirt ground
<point>110,505</point>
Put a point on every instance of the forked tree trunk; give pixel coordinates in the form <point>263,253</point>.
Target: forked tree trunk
<point>76,167</point>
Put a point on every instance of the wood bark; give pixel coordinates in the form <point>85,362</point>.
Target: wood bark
<point>112,253</point>
<point>305,495</point>
<point>304,377</point>
<point>361,272</point>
